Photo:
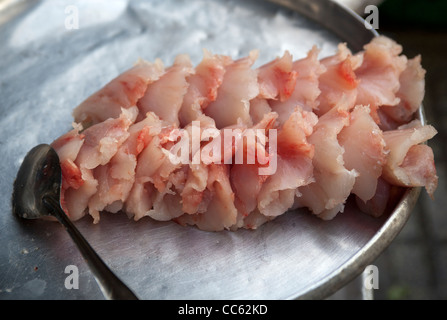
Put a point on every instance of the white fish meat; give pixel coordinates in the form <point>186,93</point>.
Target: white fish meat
<point>223,145</point>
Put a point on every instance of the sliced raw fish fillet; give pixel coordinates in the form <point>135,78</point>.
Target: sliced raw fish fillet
<point>254,220</point>
<point>203,86</point>
<point>338,80</point>
<point>67,147</point>
<point>278,191</point>
<point>377,205</point>
<point>165,96</point>
<point>224,145</point>
<point>221,212</point>
<point>122,92</point>
<point>364,151</point>
<point>116,178</point>
<point>76,200</point>
<point>333,181</point>
<point>247,184</point>
<point>410,164</point>
<point>277,79</point>
<point>195,186</point>
<point>379,74</point>
<point>294,164</point>
<point>239,86</point>
<point>258,164</point>
<point>101,141</point>
<point>258,108</point>
<point>411,92</point>
<point>306,91</point>
<point>152,175</point>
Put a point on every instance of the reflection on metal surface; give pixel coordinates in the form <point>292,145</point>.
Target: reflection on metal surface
<point>11,8</point>
<point>47,70</point>
<point>358,6</point>
<point>342,21</point>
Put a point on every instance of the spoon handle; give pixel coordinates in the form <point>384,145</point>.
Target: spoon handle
<point>111,286</point>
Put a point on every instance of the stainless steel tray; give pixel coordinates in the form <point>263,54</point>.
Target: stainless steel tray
<point>47,68</point>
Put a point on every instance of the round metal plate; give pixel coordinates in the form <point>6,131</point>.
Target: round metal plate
<point>50,64</point>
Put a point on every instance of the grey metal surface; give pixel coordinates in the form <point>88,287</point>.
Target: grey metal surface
<point>46,70</point>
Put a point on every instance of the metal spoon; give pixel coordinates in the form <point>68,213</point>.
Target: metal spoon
<point>36,194</point>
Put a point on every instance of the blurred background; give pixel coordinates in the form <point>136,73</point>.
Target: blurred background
<point>414,266</point>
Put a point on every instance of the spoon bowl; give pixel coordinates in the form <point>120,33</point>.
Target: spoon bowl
<point>39,177</point>
<point>36,194</point>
